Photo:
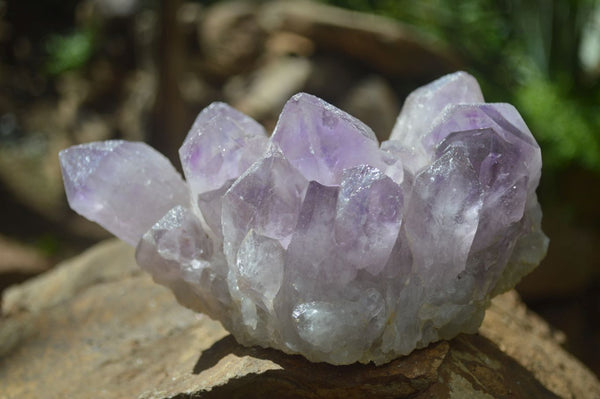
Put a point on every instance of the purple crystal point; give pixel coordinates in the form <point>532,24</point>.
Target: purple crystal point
<point>125,187</point>
<point>504,120</point>
<point>220,146</point>
<point>502,174</point>
<point>314,234</point>
<point>443,213</point>
<point>318,241</point>
<point>422,107</point>
<point>321,141</point>
<point>267,199</point>
<point>372,201</point>
<point>427,102</point>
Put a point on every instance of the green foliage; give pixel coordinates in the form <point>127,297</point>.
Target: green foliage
<point>566,128</point>
<point>68,52</point>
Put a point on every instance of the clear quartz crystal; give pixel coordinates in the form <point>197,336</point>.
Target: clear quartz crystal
<point>319,241</point>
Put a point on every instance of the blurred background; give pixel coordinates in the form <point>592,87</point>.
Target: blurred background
<point>73,71</point>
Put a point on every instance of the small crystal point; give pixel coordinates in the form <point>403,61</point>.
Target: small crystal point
<point>314,234</point>
<point>370,199</point>
<point>421,109</point>
<point>258,270</point>
<point>427,102</point>
<point>178,253</point>
<point>220,146</point>
<point>123,186</point>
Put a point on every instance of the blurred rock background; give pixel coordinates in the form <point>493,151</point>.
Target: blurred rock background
<point>75,71</point>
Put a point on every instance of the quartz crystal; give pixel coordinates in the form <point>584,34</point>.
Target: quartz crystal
<point>319,241</point>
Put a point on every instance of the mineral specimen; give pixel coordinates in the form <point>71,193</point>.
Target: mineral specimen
<point>317,240</point>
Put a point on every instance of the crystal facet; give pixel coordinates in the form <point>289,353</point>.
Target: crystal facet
<point>125,187</point>
<point>320,241</point>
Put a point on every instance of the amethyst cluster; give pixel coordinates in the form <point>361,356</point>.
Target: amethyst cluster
<point>320,241</point>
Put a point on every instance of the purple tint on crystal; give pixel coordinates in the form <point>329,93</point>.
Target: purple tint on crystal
<point>425,103</point>
<point>492,157</point>
<point>442,216</point>
<point>503,178</point>
<point>267,199</point>
<point>178,253</point>
<point>506,123</point>
<point>220,146</point>
<point>123,186</point>
<point>368,217</point>
<point>314,235</point>
<point>321,140</point>
<point>210,206</point>
<point>501,117</point>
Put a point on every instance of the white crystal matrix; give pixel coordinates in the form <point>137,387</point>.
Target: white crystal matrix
<point>320,241</point>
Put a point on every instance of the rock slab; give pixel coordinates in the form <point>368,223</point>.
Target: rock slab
<point>98,327</point>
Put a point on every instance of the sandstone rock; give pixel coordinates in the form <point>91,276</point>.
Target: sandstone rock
<point>97,327</point>
<point>529,339</point>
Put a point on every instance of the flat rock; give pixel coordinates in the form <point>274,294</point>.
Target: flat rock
<point>98,327</point>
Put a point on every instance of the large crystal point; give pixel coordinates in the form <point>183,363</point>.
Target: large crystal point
<point>318,241</point>
<point>124,187</point>
<point>503,119</point>
<point>321,141</point>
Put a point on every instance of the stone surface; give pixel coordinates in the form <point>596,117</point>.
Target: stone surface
<point>527,338</point>
<point>97,327</point>
<point>320,242</point>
